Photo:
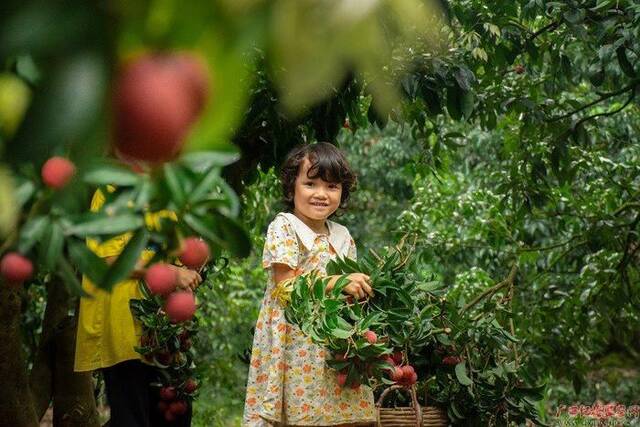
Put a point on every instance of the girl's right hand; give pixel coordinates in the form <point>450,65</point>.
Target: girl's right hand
<point>186,278</point>
<point>359,286</point>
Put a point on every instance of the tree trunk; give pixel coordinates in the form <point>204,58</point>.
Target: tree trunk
<point>74,404</point>
<point>16,405</point>
<point>52,375</point>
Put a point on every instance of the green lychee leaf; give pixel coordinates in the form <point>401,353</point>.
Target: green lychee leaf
<point>341,333</point>
<point>461,374</point>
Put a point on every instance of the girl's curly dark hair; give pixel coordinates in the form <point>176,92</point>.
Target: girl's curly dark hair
<point>327,163</point>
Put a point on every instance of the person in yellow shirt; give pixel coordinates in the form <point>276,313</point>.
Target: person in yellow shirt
<point>108,332</point>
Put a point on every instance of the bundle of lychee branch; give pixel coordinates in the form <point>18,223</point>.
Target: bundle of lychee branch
<point>369,339</point>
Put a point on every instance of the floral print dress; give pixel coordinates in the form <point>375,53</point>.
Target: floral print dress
<point>289,381</point>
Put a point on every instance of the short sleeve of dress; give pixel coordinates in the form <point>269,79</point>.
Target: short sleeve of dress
<point>281,244</point>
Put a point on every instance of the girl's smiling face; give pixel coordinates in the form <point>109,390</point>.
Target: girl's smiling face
<point>314,198</point>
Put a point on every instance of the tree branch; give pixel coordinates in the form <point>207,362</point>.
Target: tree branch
<point>609,113</point>
<point>546,248</point>
<point>625,207</point>
<point>549,27</point>
<point>492,290</point>
<point>597,101</point>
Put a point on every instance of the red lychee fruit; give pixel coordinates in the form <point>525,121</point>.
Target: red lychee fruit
<point>397,357</point>
<point>195,252</point>
<point>180,306</point>
<point>342,379</point>
<point>57,172</point>
<point>450,360</point>
<point>371,337</point>
<point>412,379</point>
<point>178,407</point>
<point>156,100</point>
<point>161,279</point>
<point>164,357</point>
<point>168,393</point>
<point>190,386</point>
<point>162,406</point>
<point>15,268</point>
<point>407,371</point>
<point>169,416</point>
<point>355,385</point>
<point>397,374</point>
<point>194,71</point>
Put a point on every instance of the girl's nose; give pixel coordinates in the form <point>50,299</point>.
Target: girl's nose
<point>320,193</point>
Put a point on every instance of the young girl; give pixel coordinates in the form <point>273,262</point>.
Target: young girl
<point>289,382</point>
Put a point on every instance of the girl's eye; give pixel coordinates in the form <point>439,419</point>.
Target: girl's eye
<point>309,184</point>
<point>333,186</point>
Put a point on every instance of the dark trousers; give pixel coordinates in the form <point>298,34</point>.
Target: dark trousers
<point>133,402</point>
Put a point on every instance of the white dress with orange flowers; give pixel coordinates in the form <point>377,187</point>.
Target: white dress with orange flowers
<point>289,381</point>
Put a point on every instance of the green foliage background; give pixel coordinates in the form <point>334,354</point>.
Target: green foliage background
<point>514,148</point>
<point>467,235</point>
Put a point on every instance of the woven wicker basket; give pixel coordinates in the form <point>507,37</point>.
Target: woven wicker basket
<point>409,416</point>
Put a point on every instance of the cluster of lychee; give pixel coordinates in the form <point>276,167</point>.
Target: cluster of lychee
<point>399,372</point>
<point>448,354</point>
<point>342,376</point>
<point>162,279</point>
<point>371,337</point>
<point>405,375</point>
<point>165,354</point>
<point>173,400</point>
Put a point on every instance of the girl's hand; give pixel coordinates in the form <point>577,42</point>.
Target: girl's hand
<point>187,279</point>
<point>359,286</point>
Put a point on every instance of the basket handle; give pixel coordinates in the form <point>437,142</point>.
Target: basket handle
<point>414,401</point>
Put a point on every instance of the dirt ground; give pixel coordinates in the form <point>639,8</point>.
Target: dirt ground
<point>47,419</point>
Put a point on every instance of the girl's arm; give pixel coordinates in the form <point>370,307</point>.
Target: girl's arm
<point>282,272</point>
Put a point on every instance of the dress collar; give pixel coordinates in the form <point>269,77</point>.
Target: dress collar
<point>339,236</point>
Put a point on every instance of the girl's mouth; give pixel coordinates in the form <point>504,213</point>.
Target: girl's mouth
<point>322,205</point>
